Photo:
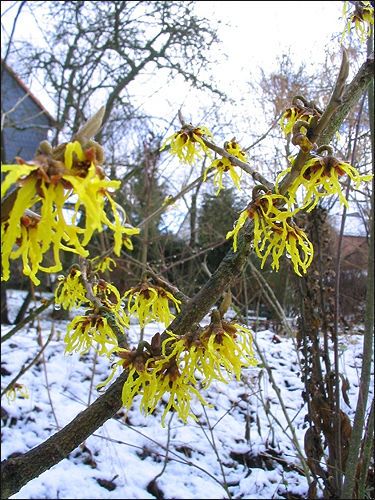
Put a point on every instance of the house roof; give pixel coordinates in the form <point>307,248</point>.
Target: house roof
<point>27,91</point>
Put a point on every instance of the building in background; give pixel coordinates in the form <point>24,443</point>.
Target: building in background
<point>354,251</point>
<point>24,120</point>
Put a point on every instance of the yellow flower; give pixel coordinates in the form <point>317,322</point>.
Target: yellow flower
<point>275,233</point>
<point>362,17</point>
<point>235,149</point>
<point>127,242</point>
<point>109,297</point>
<point>263,210</point>
<point>165,378</point>
<point>187,144</point>
<point>154,377</point>
<point>29,248</point>
<point>11,229</point>
<point>51,182</point>
<point>238,226</point>
<point>297,112</point>
<point>91,330</point>
<point>101,265</point>
<point>93,192</point>
<point>70,292</point>
<point>320,177</point>
<point>223,165</point>
<point>151,303</point>
<point>222,348</point>
<point>17,390</point>
<point>153,384</point>
<point>275,239</point>
<point>15,172</point>
<point>33,238</point>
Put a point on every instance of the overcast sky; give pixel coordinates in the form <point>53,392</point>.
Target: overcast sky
<point>261,31</point>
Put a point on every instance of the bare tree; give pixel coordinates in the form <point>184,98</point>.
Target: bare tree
<point>95,50</point>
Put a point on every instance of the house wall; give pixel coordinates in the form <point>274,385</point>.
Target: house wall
<point>25,126</point>
<point>354,252</point>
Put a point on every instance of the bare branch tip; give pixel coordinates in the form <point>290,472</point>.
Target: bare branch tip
<point>91,127</point>
<point>180,117</point>
<point>344,68</point>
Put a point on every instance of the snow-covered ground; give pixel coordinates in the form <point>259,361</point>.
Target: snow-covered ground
<point>236,449</point>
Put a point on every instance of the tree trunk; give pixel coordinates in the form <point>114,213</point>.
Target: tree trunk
<point>4,306</point>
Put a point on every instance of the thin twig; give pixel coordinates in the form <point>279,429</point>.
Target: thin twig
<point>167,285</point>
<point>214,447</point>
<point>262,137</point>
<point>92,375</point>
<point>166,457</point>
<point>39,330</point>
<point>171,453</point>
<point>187,462</point>
<point>368,445</point>
<point>26,320</point>
<point>172,199</point>
<point>21,4</point>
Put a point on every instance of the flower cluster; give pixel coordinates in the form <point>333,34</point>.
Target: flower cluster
<point>223,165</point>
<point>362,17</point>
<point>94,329</point>
<point>320,176</point>
<point>172,367</point>
<point>151,302</point>
<point>275,233</point>
<point>104,320</point>
<point>300,110</point>
<point>153,374</point>
<point>187,143</point>
<point>51,182</point>
<point>289,238</point>
<point>70,292</point>
<point>220,349</point>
